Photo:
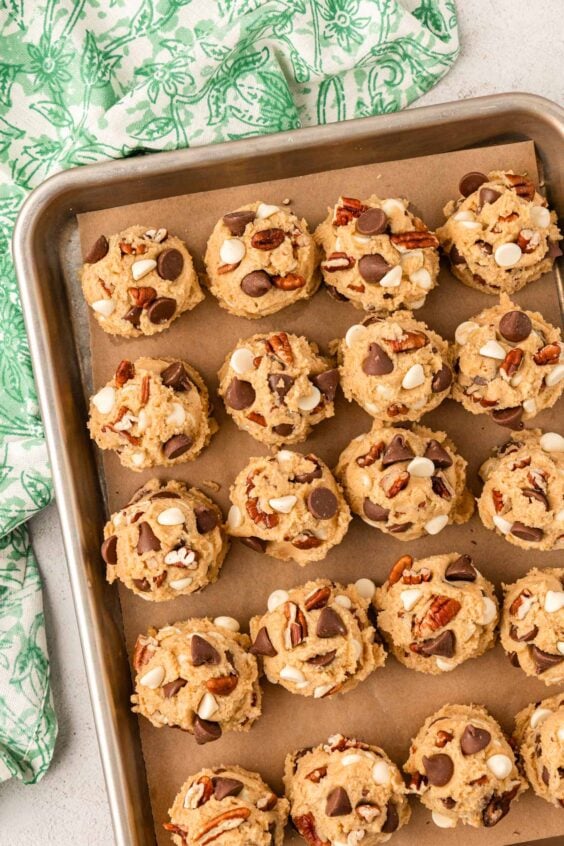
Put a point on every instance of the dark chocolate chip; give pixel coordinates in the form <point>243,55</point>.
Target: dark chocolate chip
<point>524,638</point>
<point>443,645</point>
<point>98,250</point>
<point>147,540</point>
<point>256,284</point>
<point>488,195</point>
<point>323,660</point>
<point>205,731</point>
<point>372,268</point>
<point>449,802</point>
<point>526,533</point>
<point>175,376</point>
<point>109,550</point>
<point>474,739</point>
<point>327,383</point>
<point>439,769</point>
<point>311,475</point>
<point>442,380</point>
<point>374,511</point>
<point>544,660</point>
<point>513,659</point>
<point>133,316</point>
<point>240,394</point>
<point>545,775</point>
<point>177,446</point>
<point>280,384</point>
<point>399,528</point>
<point>397,450</point>
<point>262,644</point>
<point>470,182</point>
<point>322,503</point>
<point>498,807</point>
<point>392,819</point>
<point>515,326</point>
<point>338,803</point>
<point>257,544</point>
<point>461,570</point>
<point>509,417</point>
<point>161,310</point>
<point>377,362</point>
<point>283,429</point>
<point>487,250</point>
<point>164,495</point>
<point>172,688</point>
<point>141,584</point>
<point>372,222</point>
<point>170,264</point>
<point>456,256</point>
<point>202,651</point>
<point>438,455</point>
<point>223,787</point>
<point>531,493</point>
<point>330,624</point>
<point>335,294</point>
<point>237,221</point>
<point>206,519</point>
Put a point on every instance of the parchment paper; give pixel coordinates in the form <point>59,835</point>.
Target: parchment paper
<point>390,706</point>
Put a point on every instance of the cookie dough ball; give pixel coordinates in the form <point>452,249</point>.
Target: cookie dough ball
<point>539,731</point>
<point>508,363</point>
<point>377,254</point>
<point>532,627</point>
<point>317,640</point>
<point>154,412</point>
<point>345,792</point>
<point>405,482</point>
<point>139,281</point>
<point>499,235</point>
<point>395,368</point>
<point>199,676</point>
<point>435,613</point>
<point>277,386</point>
<point>229,804</point>
<point>167,541</point>
<point>260,259</point>
<point>523,495</point>
<point>289,506</point>
<point>463,768</point>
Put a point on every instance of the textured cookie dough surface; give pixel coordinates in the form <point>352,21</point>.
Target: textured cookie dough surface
<point>199,676</point>
<point>395,368</point>
<point>260,259</point>
<point>317,640</point>
<point>508,363</point>
<point>463,768</point>
<point>377,254</point>
<point>139,281</point>
<point>435,613</point>
<point>277,386</point>
<point>153,412</point>
<point>289,506</point>
<point>167,541</point>
<point>229,805</point>
<point>523,494</point>
<point>532,626</point>
<point>405,482</point>
<point>539,731</point>
<point>499,235</point>
<point>345,792</point>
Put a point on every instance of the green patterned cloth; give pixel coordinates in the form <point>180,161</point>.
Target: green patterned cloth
<point>88,80</point>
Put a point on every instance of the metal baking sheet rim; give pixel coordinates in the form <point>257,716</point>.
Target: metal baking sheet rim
<point>77,488</point>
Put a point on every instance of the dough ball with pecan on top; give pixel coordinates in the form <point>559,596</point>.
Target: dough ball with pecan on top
<point>139,281</point>
<point>539,732</point>
<point>377,254</point>
<point>261,258</point>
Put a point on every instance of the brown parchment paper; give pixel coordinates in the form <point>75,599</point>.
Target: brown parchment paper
<point>390,706</point>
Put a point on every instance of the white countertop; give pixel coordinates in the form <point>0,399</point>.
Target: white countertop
<point>507,45</point>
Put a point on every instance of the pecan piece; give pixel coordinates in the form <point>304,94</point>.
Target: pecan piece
<point>528,240</point>
<point>296,631</point>
<point>124,372</point>
<point>443,737</point>
<point>348,209</point>
<point>306,827</point>
<point>145,648</point>
<point>145,389</point>
<point>289,282</point>
<point>393,485</point>
<point>227,268</point>
<point>215,827</point>
<point>143,296</point>
<point>105,287</point>
<point>280,346</point>
<point>337,261</point>
<point>267,239</point>
<point>372,455</point>
<point>547,354</point>
<point>305,540</point>
<point>317,775</point>
<point>442,610</point>
<point>522,186</point>
<point>222,685</point>
<point>509,217</point>
<point>440,487</point>
<point>497,497</point>
<point>409,341</point>
<point>518,601</point>
<point>512,362</point>
<point>256,417</point>
<point>258,516</point>
<point>403,563</point>
<point>415,240</point>
<point>128,249</point>
<point>395,409</point>
<point>318,599</point>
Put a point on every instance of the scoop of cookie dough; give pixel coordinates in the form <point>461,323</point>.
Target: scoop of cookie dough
<point>539,731</point>
<point>153,412</point>
<point>395,368</point>
<point>139,281</point>
<point>277,386</point>
<point>199,676</point>
<point>345,792</point>
<point>289,506</point>
<point>167,541</point>
<point>260,259</point>
<point>500,234</point>
<point>463,768</point>
<point>228,804</point>
<point>377,254</point>
<point>317,640</point>
<point>405,482</point>
<point>435,613</point>
<point>523,494</point>
<point>508,363</point>
<point>532,626</point>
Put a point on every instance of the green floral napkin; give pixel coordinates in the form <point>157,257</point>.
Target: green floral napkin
<point>85,80</point>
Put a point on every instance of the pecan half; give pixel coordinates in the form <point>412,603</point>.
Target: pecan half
<point>337,261</point>
<point>143,296</point>
<point>258,516</point>
<point>393,484</point>
<point>372,455</point>
<point>305,825</point>
<point>267,239</point>
<point>415,240</point>
<point>512,362</point>
<point>318,599</point>
<point>522,186</point>
<point>409,341</point>
<point>305,540</point>
<point>403,563</point>
<point>230,819</point>
<point>124,372</point>
<point>547,354</point>
<point>281,347</point>
<point>289,282</point>
<point>442,610</point>
<point>222,685</point>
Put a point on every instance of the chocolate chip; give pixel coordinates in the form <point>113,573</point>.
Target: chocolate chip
<point>399,528</point>
<point>461,570</point>
<point>175,376</point>
<point>397,450</point>
<point>474,739</point>
<point>205,731</point>
<point>170,264</point>
<point>442,380</point>
<point>530,493</point>
<point>262,644</point>
<point>545,775</point>
<point>327,383</point>
<point>240,394</point>
<point>338,803</point>
<point>470,182</point>
<point>97,251</point>
<point>172,688</point>
<point>256,544</point>
<point>392,819</point>
<point>256,284</point>
<point>524,638</point>
<point>206,519</point>
<point>544,660</point>
<point>283,429</point>
<point>455,256</point>
<point>515,326</point>
<point>133,316</point>
<point>509,417</point>
<point>449,802</point>
<point>311,475</point>
<point>526,533</point>
<point>141,584</point>
<point>374,511</point>
<point>373,268</point>
<point>280,384</point>
<point>498,807</point>
<point>147,540</point>
<point>554,250</point>
<point>323,660</point>
<point>161,310</point>
<point>330,624</point>
<point>109,550</point>
<point>372,222</point>
<point>513,659</point>
<point>443,645</point>
<point>488,195</point>
<point>223,787</point>
<point>164,495</point>
<point>322,503</point>
<point>335,294</point>
<point>177,446</point>
<point>377,362</point>
<point>202,651</point>
<point>439,769</point>
<point>487,250</point>
<point>237,221</point>
<point>438,455</point>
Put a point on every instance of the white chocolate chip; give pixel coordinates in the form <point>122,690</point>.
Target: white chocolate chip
<point>442,821</point>
<point>500,765</point>
<point>350,759</point>
<point>552,442</point>
<point>343,601</point>
<point>436,524</point>
<point>560,734</point>
<point>412,257</point>
<point>232,251</point>
<point>355,333</point>
<point>492,349</point>
<point>242,360</point>
<point>229,623</point>
<point>207,706</point>
<point>153,678</point>
<point>291,674</point>
<point>421,467</point>
<point>464,214</point>
<point>372,408</point>
<point>500,523</point>
<point>309,401</point>
<point>390,206</point>
<point>365,588</point>
<point>184,557</point>
<point>381,773</point>
<point>417,303</point>
<point>171,517</point>
<point>422,278</point>
<point>234,517</point>
<point>357,649</point>
<point>409,598</point>
<point>554,375</point>
<point>142,420</point>
<point>463,331</point>
<point>489,611</point>
<point>283,504</point>
<point>104,400</point>
<point>104,307</point>
<point>360,239</point>
<point>507,255</point>
<point>138,458</point>
<point>277,598</point>
<point>180,584</point>
<point>392,279</point>
<point>177,416</point>
<point>529,406</point>
<point>141,268</point>
<point>284,455</point>
<point>539,715</point>
<point>321,691</point>
<point>414,377</point>
<point>540,216</point>
<point>266,210</point>
<point>470,224</point>
<point>560,515</point>
<point>445,666</point>
<point>525,606</point>
<point>553,601</point>
<point>560,646</point>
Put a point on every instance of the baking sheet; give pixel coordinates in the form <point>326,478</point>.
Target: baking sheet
<point>390,706</point>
